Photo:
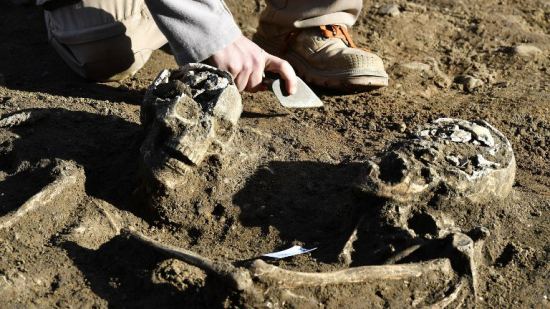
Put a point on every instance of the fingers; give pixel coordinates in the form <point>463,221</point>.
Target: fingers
<point>256,75</point>
<point>247,62</point>
<point>255,79</point>
<point>285,70</point>
<point>241,80</point>
<point>250,76</point>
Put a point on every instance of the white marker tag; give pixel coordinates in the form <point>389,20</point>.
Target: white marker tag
<point>295,250</point>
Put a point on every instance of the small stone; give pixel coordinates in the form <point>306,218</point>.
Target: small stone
<point>479,232</point>
<point>527,51</point>
<point>372,126</point>
<point>441,79</point>
<point>402,127</point>
<point>417,66</point>
<point>391,9</point>
<point>523,132</point>
<point>398,126</point>
<point>469,82</point>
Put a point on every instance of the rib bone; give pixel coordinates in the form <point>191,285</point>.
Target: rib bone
<point>402,254</point>
<point>345,255</point>
<point>446,301</point>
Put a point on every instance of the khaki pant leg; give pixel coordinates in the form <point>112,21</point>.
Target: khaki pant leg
<point>104,40</point>
<point>311,13</point>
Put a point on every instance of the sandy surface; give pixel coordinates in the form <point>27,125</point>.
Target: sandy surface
<point>291,170</point>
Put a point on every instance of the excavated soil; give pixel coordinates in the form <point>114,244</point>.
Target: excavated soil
<point>291,171</point>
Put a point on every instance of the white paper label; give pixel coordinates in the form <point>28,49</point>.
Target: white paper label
<point>295,250</point>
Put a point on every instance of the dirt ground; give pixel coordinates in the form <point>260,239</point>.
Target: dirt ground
<point>291,170</point>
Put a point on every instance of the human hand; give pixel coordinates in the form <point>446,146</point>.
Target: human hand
<point>247,62</point>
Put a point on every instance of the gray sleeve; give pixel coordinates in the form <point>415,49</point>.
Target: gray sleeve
<point>196,29</point>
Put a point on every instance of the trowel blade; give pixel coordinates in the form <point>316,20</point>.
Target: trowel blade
<point>303,98</point>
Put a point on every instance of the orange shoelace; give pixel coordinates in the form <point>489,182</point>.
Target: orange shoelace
<point>328,31</point>
<point>337,31</point>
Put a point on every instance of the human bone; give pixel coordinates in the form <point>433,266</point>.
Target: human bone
<point>24,117</point>
<point>67,176</point>
<point>471,160</point>
<point>268,276</point>
<point>467,160</point>
<point>190,116</point>
<point>187,114</point>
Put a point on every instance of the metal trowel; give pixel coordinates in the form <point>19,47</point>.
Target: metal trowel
<point>303,98</point>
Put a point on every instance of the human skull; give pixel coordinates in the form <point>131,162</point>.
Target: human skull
<point>190,116</point>
<point>187,113</point>
<point>449,159</point>
<point>472,160</point>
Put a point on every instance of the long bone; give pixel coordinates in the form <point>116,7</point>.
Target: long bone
<point>69,174</point>
<point>237,278</point>
<point>292,279</point>
<point>24,117</point>
<point>241,279</point>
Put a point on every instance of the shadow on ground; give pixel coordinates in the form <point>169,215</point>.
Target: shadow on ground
<point>309,202</point>
<point>16,189</point>
<point>318,205</point>
<point>106,146</point>
<point>121,271</point>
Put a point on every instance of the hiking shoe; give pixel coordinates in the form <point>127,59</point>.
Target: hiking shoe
<point>325,56</point>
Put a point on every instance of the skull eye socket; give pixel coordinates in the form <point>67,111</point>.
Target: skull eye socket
<point>422,224</point>
<point>393,168</point>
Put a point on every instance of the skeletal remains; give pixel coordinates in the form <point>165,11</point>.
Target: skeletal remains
<point>189,114</point>
<point>192,112</point>
<point>449,159</point>
<point>67,175</point>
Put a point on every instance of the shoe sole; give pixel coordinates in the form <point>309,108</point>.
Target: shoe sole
<point>351,80</point>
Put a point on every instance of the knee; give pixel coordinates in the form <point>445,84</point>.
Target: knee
<point>108,59</point>
<point>103,42</point>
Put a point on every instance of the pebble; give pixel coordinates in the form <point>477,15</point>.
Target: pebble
<point>391,9</point>
<point>527,51</point>
<point>417,66</point>
<point>402,127</point>
<point>469,82</point>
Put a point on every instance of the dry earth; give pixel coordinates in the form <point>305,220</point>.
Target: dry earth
<point>292,168</point>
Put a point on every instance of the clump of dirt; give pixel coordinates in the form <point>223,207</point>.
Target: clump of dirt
<point>288,175</point>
